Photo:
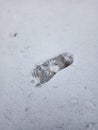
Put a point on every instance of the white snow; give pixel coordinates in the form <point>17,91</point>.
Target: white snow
<point>46,28</point>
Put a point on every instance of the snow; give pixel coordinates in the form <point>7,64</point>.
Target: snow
<point>34,31</point>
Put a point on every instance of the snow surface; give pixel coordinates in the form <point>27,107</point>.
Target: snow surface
<point>32,31</point>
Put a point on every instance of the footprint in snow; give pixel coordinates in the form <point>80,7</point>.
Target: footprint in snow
<point>44,72</point>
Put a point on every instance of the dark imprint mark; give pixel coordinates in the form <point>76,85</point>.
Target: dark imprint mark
<point>13,34</point>
<point>90,126</point>
<point>26,109</point>
<point>44,72</point>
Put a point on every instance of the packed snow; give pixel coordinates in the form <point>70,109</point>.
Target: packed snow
<point>31,32</point>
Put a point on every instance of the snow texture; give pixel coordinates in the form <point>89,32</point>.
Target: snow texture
<point>31,32</point>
